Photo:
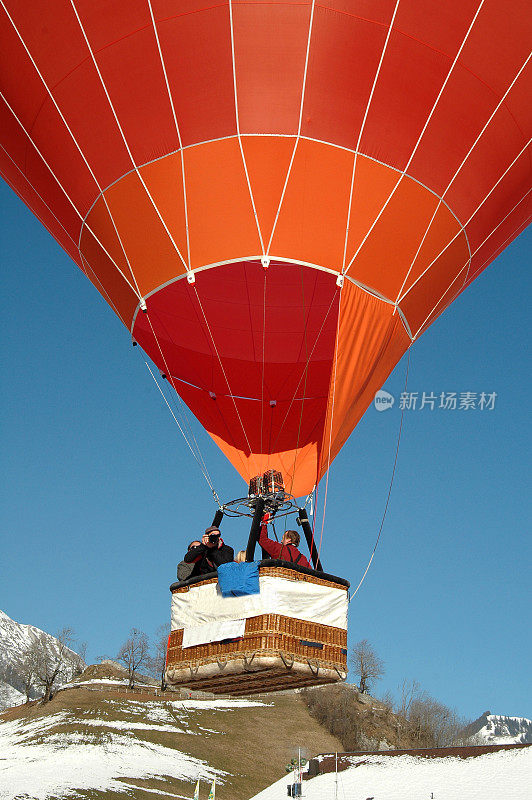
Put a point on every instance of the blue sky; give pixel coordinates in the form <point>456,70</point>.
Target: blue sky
<point>100,495</point>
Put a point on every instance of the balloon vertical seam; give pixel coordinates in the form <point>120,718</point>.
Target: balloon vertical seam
<point>244,163</point>
<point>171,99</point>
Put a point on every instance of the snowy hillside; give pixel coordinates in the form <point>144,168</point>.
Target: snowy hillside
<point>106,742</point>
<point>16,640</point>
<point>503,774</point>
<point>498,729</point>
<point>104,757</point>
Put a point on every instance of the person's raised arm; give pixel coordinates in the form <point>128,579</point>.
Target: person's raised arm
<point>271,547</point>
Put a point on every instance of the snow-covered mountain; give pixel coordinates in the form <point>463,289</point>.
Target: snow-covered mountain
<point>9,696</point>
<point>499,729</point>
<point>16,641</point>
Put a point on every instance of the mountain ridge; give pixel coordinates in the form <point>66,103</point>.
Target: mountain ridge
<point>500,729</point>
<point>16,641</point>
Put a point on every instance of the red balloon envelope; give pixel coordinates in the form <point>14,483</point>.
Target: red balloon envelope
<point>293,191</point>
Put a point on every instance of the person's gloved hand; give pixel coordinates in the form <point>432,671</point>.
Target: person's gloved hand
<point>265,518</point>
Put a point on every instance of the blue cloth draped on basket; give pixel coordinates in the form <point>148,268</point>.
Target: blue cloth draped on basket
<point>236,580</point>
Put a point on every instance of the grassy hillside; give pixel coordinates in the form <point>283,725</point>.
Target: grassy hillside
<point>102,742</point>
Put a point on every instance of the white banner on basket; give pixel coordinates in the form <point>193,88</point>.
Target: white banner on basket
<point>213,632</point>
<point>204,605</point>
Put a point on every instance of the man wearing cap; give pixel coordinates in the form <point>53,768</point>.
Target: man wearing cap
<point>207,555</point>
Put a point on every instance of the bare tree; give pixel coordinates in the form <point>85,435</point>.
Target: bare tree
<point>368,666</point>
<point>429,723</point>
<point>82,651</point>
<point>27,668</point>
<point>409,691</point>
<point>158,662</point>
<point>433,724</point>
<point>55,661</point>
<point>388,701</point>
<point>135,653</point>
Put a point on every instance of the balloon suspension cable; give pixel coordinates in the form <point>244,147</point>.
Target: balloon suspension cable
<point>391,484</point>
<point>330,427</point>
<point>197,456</point>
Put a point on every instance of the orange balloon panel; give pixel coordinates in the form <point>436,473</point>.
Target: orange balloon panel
<point>159,142</point>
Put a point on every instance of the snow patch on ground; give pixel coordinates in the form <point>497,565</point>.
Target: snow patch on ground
<point>167,715</point>
<point>170,710</point>
<point>158,791</point>
<point>66,763</point>
<point>124,725</point>
<point>213,705</point>
<point>23,730</point>
<point>161,713</point>
<point>112,681</point>
<point>505,774</point>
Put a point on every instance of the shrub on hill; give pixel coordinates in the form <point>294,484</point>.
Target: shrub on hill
<point>335,709</point>
<point>361,722</point>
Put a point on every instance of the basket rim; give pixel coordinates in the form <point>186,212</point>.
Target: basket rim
<point>210,577</point>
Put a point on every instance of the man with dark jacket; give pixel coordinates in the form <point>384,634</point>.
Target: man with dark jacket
<point>207,555</point>
<point>286,549</point>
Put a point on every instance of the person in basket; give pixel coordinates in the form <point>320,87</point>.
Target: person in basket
<point>286,549</point>
<point>206,556</point>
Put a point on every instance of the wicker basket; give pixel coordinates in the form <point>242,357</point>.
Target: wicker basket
<point>275,652</point>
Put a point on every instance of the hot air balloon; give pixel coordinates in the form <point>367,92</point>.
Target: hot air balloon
<point>276,199</point>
